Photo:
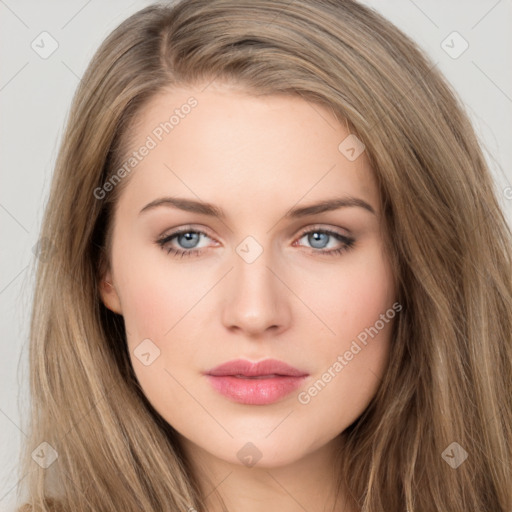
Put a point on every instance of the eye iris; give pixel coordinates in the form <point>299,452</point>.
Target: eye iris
<point>190,239</point>
<point>313,238</point>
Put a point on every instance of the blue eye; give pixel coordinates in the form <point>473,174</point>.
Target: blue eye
<point>319,239</point>
<point>188,239</point>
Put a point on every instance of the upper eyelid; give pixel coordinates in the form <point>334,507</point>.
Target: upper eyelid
<point>320,227</point>
<point>185,229</point>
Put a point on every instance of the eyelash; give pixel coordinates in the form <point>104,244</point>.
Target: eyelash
<point>178,253</point>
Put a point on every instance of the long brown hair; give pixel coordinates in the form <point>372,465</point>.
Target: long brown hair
<point>449,378</point>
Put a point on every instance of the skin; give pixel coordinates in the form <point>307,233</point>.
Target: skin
<point>256,158</point>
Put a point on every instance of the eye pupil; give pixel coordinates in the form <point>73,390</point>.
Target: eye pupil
<point>315,237</point>
<point>191,239</point>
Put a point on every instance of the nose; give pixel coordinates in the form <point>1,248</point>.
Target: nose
<point>255,298</point>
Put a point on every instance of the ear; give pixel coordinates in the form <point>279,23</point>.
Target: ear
<point>109,294</point>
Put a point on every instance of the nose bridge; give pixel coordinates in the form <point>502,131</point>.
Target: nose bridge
<point>254,284</point>
<point>255,299</point>
<point>251,270</point>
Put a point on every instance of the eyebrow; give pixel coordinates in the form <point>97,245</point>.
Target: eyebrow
<point>204,208</point>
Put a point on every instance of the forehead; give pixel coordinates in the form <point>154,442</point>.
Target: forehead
<point>223,143</point>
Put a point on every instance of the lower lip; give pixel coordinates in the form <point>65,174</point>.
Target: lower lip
<point>255,391</point>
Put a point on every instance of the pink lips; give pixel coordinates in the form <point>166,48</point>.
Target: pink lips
<point>259,383</point>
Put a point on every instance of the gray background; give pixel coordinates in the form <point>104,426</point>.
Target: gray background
<point>35,94</point>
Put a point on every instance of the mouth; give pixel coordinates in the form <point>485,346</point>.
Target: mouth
<point>260,383</point>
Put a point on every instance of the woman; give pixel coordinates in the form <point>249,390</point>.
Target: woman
<point>277,275</point>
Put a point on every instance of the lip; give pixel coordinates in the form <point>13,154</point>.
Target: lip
<point>255,383</point>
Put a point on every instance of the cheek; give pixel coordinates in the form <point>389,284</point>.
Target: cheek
<point>156,307</point>
<point>151,308</point>
<point>352,298</point>
<point>155,295</point>
<point>356,307</point>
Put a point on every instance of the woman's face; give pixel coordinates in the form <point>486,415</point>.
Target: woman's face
<point>280,257</point>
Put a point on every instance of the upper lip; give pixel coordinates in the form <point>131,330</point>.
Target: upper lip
<point>255,369</point>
